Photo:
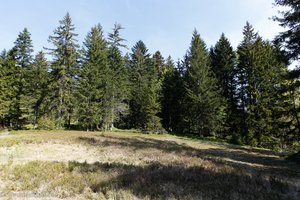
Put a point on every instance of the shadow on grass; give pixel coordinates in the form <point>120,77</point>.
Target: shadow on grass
<point>236,157</point>
<point>158,181</point>
<point>269,176</point>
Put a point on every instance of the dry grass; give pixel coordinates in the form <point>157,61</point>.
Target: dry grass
<point>126,165</point>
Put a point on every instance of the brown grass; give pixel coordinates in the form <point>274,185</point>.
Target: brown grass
<point>125,165</point>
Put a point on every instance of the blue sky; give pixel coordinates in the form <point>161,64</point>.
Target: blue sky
<point>164,25</point>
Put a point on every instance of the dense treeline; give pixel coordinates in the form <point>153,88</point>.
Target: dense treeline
<point>246,95</point>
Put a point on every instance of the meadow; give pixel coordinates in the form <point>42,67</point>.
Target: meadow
<point>131,165</point>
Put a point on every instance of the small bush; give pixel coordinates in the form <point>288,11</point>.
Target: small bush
<point>28,127</point>
<point>45,123</point>
<point>235,139</point>
<point>270,143</point>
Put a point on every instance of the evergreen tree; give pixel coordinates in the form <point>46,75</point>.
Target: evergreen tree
<point>288,100</point>
<point>39,79</point>
<point>159,65</point>
<point>144,104</point>
<point>223,61</point>
<point>172,97</point>
<point>290,19</point>
<point>203,103</point>
<point>10,84</point>
<point>259,77</point>
<point>3,100</point>
<point>6,91</point>
<point>245,50</point>
<point>94,82</point>
<point>264,79</point>
<point>23,56</point>
<point>24,49</point>
<point>64,69</point>
<point>119,77</point>
<point>223,64</point>
<point>288,111</point>
<point>290,38</point>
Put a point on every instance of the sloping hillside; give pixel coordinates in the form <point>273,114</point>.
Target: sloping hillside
<point>128,165</point>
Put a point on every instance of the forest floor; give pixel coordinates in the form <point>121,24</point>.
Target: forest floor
<point>129,165</point>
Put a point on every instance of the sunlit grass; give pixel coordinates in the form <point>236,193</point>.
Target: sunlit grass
<point>130,165</point>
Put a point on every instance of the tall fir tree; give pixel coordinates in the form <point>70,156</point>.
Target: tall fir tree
<point>290,38</point>
<point>39,79</point>
<point>172,97</point>
<point>24,49</point>
<point>259,76</point>
<point>203,103</point>
<point>289,111</point>
<point>94,81</point>
<point>10,89</point>
<point>159,64</point>
<point>264,78</point>
<point>244,63</point>
<point>3,90</point>
<point>64,70</point>
<point>223,61</point>
<point>119,77</point>
<point>290,19</point>
<point>7,91</point>
<point>144,103</point>
<point>23,52</point>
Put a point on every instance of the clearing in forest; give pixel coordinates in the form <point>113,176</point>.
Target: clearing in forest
<point>129,165</point>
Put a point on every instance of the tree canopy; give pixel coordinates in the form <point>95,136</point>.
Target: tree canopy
<point>245,95</point>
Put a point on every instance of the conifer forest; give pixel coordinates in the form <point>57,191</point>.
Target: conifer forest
<point>246,95</point>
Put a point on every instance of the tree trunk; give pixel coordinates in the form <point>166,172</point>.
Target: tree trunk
<point>35,119</point>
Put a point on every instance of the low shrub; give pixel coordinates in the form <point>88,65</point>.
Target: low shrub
<point>235,139</point>
<point>45,123</point>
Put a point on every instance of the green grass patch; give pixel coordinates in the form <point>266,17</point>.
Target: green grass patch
<point>8,142</point>
<point>154,181</point>
<point>33,174</point>
<point>131,165</point>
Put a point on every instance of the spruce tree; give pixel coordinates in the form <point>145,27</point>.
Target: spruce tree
<point>10,84</point>
<point>264,78</point>
<point>290,19</point>
<point>203,103</point>
<point>94,82</point>
<point>23,55</point>
<point>223,61</point>
<point>244,51</point>
<point>7,66</point>
<point>259,75</point>
<point>288,111</point>
<point>24,49</point>
<point>3,100</point>
<point>159,64</point>
<point>290,38</point>
<point>144,104</point>
<point>223,64</point>
<point>39,79</point>
<point>172,97</point>
<point>120,86</point>
<point>64,69</point>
